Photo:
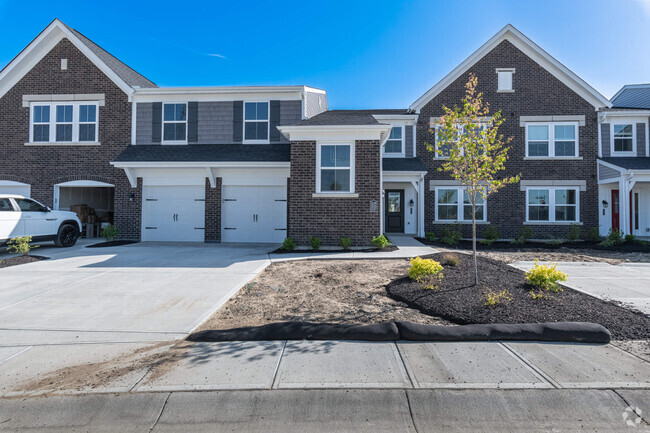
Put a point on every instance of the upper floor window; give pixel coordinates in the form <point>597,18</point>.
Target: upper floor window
<point>552,204</point>
<point>623,139</point>
<point>175,123</point>
<point>444,150</point>
<point>256,122</point>
<point>453,204</point>
<point>335,168</point>
<point>504,78</point>
<point>552,140</point>
<point>64,123</point>
<point>395,143</point>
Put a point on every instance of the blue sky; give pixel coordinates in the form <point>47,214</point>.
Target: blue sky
<point>370,54</point>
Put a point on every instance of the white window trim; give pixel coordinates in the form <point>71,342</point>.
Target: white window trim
<point>611,137</point>
<point>268,123</point>
<point>319,168</point>
<point>401,154</point>
<point>163,122</point>
<point>512,73</point>
<point>52,123</point>
<point>460,204</point>
<point>551,204</point>
<point>551,140</point>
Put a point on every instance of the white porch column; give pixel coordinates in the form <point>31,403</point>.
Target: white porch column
<point>421,206</point>
<point>623,205</point>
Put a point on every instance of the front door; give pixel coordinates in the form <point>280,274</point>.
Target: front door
<point>394,211</point>
<point>615,210</point>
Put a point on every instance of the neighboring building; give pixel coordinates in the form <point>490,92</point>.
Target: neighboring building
<point>258,164</point>
<point>624,162</point>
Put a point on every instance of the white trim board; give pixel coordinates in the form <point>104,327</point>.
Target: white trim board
<point>532,50</point>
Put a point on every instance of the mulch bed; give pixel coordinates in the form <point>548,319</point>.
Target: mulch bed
<point>361,250</point>
<point>20,260</point>
<point>627,247</point>
<point>458,301</point>
<point>111,244</point>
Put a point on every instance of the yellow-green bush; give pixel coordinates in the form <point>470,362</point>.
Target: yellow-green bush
<point>546,276</point>
<point>425,271</point>
<point>493,298</point>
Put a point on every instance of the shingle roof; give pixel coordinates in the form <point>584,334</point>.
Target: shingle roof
<point>206,153</point>
<point>629,163</point>
<point>349,117</point>
<point>130,76</point>
<point>402,164</point>
<point>633,96</point>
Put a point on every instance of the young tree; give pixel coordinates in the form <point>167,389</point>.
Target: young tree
<point>468,137</point>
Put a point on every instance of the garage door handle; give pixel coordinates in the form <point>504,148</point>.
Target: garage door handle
<point>151,228</point>
<point>199,228</point>
<point>229,199</point>
<point>151,199</point>
<point>199,199</point>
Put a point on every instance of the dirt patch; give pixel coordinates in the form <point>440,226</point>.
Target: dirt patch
<point>20,260</point>
<point>456,299</point>
<point>334,291</point>
<point>335,250</point>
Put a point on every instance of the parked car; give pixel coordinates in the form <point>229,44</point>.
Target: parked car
<point>22,216</point>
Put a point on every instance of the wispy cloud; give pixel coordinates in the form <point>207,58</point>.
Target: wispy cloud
<point>189,50</point>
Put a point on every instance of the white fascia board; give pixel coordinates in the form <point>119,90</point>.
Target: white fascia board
<point>336,132</point>
<point>641,115</point>
<point>404,119</point>
<point>84,183</point>
<point>315,90</point>
<point>199,164</point>
<point>532,50</point>
<point>244,93</point>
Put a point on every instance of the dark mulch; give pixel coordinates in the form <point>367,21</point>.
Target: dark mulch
<point>111,244</point>
<point>627,247</point>
<point>20,260</point>
<point>361,250</point>
<point>457,300</point>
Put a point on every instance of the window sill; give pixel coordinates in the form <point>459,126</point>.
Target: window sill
<point>173,143</point>
<point>551,223</point>
<point>505,91</point>
<point>62,143</point>
<point>623,154</point>
<point>459,222</point>
<point>256,142</point>
<point>335,195</point>
<point>393,155</point>
<point>552,158</point>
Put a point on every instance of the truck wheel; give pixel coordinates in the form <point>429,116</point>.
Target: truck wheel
<point>67,236</point>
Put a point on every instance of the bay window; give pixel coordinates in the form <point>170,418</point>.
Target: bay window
<point>552,140</point>
<point>335,168</point>
<point>69,122</point>
<point>552,204</point>
<point>453,204</point>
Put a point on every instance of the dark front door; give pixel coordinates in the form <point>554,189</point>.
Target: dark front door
<point>615,210</point>
<point>394,211</point>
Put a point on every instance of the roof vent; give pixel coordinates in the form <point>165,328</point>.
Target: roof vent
<point>64,64</point>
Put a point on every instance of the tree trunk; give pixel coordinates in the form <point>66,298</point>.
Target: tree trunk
<point>474,244</point>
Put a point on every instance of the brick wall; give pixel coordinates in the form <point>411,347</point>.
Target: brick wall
<point>45,166</point>
<point>536,93</point>
<point>330,219</point>
<point>213,211</point>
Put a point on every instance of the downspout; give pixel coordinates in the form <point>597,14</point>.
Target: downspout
<point>601,119</point>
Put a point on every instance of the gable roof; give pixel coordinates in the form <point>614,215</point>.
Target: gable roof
<point>532,50</point>
<point>632,96</point>
<point>123,76</point>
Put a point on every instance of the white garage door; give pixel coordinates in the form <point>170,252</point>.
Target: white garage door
<point>173,213</point>
<point>254,214</point>
<point>12,187</point>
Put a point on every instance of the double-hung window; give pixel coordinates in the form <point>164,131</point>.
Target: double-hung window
<point>75,122</point>
<point>175,123</point>
<point>454,204</point>
<point>335,171</point>
<point>256,122</point>
<point>623,138</point>
<point>552,140</point>
<point>443,150</point>
<point>552,204</point>
<point>395,143</point>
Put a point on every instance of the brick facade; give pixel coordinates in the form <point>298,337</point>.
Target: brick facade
<point>44,166</point>
<point>536,93</point>
<point>330,219</point>
<point>213,211</point>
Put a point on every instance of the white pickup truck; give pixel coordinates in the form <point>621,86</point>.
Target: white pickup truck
<point>21,216</point>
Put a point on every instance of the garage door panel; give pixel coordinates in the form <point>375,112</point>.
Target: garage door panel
<point>254,214</point>
<point>174,213</point>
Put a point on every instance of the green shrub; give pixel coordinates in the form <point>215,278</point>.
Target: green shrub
<point>345,243</point>
<point>109,232</point>
<point>555,241</point>
<point>425,271</point>
<point>592,235</point>
<point>494,298</point>
<point>288,244</point>
<point>546,276</point>
<point>630,239</point>
<point>491,233</point>
<point>314,242</point>
<point>614,237</point>
<point>450,259</point>
<point>452,235</point>
<point>573,233</point>
<point>20,245</point>
<point>431,236</point>
<point>381,241</point>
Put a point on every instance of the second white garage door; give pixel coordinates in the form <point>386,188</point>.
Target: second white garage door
<point>254,214</point>
<point>173,213</point>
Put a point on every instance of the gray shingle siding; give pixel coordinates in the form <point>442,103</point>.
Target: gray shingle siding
<point>312,107</point>
<point>605,172</point>
<point>143,112</point>
<point>408,141</point>
<point>604,136</point>
<point>290,114</point>
<point>640,139</point>
<point>215,122</point>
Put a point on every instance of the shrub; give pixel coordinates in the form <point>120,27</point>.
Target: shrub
<point>450,259</point>
<point>345,243</point>
<point>109,232</point>
<point>288,244</point>
<point>630,239</point>
<point>380,241</point>
<point>20,245</point>
<point>452,235</point>
<point>491,234</point>
<point>593,235</point>
<point>314,242</point>
<point>555,241</point>
<point>538,295</point>
<point>493,298</point>
<point>546,276</point>
<point>573,233</point>
<point>425,271</point>
<point>431,236</point>
<point>614,237</point>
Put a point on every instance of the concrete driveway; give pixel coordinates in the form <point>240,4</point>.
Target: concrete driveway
<point>628,283</point>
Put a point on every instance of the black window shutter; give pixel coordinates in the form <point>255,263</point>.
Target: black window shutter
<point>192,122</point>
<point>156,122</point>
<point>275,121</point>
<point>238,121</point>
